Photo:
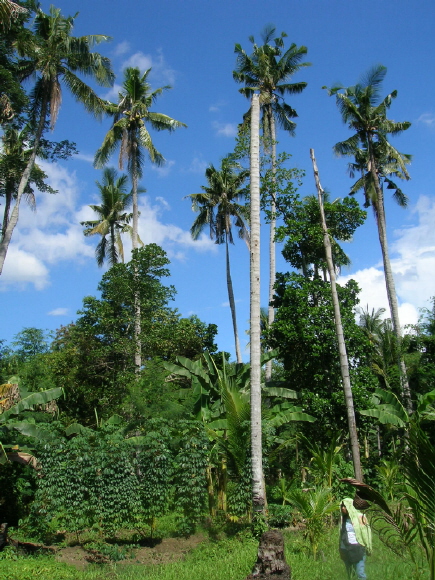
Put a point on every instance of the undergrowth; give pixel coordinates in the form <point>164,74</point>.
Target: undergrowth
<point>227,559</point>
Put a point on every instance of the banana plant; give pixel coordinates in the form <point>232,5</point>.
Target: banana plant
<point>9,421</point>
<point>223,404</point>
<point>388,409</point>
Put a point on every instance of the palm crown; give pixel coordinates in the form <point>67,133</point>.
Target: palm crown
<point>218,204</point>
<point>267,70</point>
<point>131,116</point>
<point>54,55</point>
<point>364,112</point>
<point>113,219</point>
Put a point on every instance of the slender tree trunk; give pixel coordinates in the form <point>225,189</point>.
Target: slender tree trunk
<point>272,244</point>
<point>8,200</point>
<point>113,244</point>
<point>7,233</point>
<point>137,309</point>
<point>344,364</point>
<point>258,491</point>
<point>232,302</point>
<point>389,280</point>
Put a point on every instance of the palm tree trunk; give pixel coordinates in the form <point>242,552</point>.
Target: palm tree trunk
<point>137,309</point>
<point>389,280</point>
<point>7,233</point>
<point>344,364</point>
<point>272,244</point>
<point>232,303</point>
<point>258,491</point>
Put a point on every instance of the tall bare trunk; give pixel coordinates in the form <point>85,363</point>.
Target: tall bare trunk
<point>344,364</point>
<point>137,309</point>
<point>258,490</point>
<point>389,280</point>
<point>232,303</point>
<point>7,233</point>
<point>272,245</point>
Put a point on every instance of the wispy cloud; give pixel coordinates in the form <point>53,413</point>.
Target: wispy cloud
<point>427,119</point>
<point>161,72</point>
<point>165,169</point>
<point>58,312</point>
<point>225,129</point>
<point>84,157</point>
<point>198,165</point>
<point>413,264</point>
<point>216,107</point>
<point>122,48</point>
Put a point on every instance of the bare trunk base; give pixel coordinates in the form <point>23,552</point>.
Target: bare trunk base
<point>271,563</point>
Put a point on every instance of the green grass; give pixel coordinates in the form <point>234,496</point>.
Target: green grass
<point>229,559</point>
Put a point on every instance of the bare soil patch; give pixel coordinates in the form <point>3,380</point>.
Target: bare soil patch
<point>163,552</point>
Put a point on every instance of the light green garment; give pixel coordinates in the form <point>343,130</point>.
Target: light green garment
<point>362,531</point>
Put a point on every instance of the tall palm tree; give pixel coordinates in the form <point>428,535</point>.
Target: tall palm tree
<point>268,70</point>
<point>258,487</point>
<point>129,132</point>
<point>342,351</point>
<point>113,219</point>
<point>219,209</point>
<point>53,55</point>
<point>365,113</point>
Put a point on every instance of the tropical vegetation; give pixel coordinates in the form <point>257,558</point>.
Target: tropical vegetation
<point>128,424</point>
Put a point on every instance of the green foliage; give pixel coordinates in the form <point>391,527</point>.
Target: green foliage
<point>313,505</point>
<point>87,482</point>
<point>304,335</point>
<point>190,475</point>
<point>94,356</point>
<point>303,235</point>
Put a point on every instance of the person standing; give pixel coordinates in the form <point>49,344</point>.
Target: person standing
<point>355,536</point>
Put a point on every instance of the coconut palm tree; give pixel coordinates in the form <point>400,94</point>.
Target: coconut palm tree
<point>268,70</point>
<point>365,113</point>
<point>54,56</point>
<point>219,209</point>
<point>129,132</point>
<point>113,217</point>
<point>258,487</point>
<point>342,351</point>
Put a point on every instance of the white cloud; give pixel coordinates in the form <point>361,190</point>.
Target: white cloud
<point>84,157</point>
<point>427,119</point>
<point>216,107</point>
<point>175,241</point>
<point>122,48</point>
<point>22,268</point>
<point>112,93</point>
<point>165,169</point>
<point>413,264</point>
<point>198,165</point>
<point>58,312</point>
<point>161,72</point>
<point>49,235</point>
<point>225,129</point>
<point>53,233</point>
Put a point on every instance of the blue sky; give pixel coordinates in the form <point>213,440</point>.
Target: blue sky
<point>190,45</point>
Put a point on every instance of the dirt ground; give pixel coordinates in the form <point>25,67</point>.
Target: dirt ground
<point>167,550</point>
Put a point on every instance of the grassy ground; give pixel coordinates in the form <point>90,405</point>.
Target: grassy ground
<point>229,559</point>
